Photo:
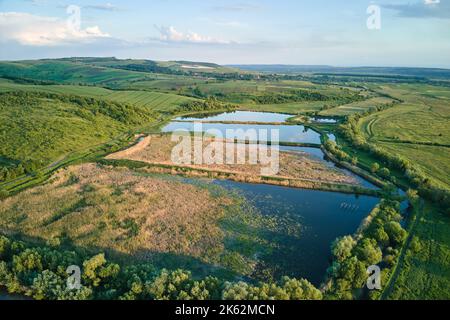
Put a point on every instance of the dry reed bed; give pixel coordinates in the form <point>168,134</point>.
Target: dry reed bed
<point>294,166</point>
<point>119,211</point>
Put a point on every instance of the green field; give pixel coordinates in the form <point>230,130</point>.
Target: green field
<point>355,107</point>
<point>432,160</point>
<point>425,270</point>
<point>161,102</point>
<point>419,123</point>
<point>84,91</point>
<point>154,101</point>
<point>416,129</point>
<point>291,108</point>
<point>67,72</point>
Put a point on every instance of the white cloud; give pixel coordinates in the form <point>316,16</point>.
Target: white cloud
<point>170,34</point>
<point>33,30</point>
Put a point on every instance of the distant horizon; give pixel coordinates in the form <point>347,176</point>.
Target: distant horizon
<point>237,64</point>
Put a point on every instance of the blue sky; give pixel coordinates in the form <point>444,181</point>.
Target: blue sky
<point>332,32</point>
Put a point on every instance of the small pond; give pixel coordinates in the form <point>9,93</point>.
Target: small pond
<point>324,120</point>
<point>295,134</point>
<point>240,116</point>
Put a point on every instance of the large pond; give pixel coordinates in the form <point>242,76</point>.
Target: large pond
<point>323,216</point>
<point>240,116</point>
<point>296,134</point>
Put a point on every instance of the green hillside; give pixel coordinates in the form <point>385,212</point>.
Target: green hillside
<point>44,127</point>
<point>153,101</point>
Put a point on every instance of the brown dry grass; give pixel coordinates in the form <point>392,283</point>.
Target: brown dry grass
<point>157,149</point>
<point>118,210</point>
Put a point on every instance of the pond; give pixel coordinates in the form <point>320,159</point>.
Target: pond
<point>240,116</point>
<point>323,216</point>
<point>293,134</point>
<point>324,120</point>
<point>331,137</point>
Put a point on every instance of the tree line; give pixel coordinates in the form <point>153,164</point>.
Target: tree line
<point>39,272</point>
<point>379,244</point>
<point>305,95</point>
<point>209,104</point>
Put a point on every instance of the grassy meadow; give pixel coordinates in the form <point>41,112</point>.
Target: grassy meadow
<point>153,101</point>
<point>355,107</point>
<point>425,270</point>
<point>416,129</point>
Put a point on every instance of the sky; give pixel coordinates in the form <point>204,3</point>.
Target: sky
<point>413,33</point>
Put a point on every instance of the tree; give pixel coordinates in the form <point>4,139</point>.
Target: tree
<point>384,173</point>
<point>300,289</point>
<point>342,248</point>
<point>46,286</point>
<point>28,260</point>
<point>288,289</point>
<point>369,252</point>
<point>3,194</point>
<point>236,291</point>
<point>96,269</point>
<point>354,271</point>
<point>397,234</point>
<point>177,285</point>
<point>381,236</point>
<point>5,247</point>
<point>413,196</point>
<point>415,244</point>
<point>375,167</point>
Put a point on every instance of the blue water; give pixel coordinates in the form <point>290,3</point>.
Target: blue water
<point>324,120</point>
<point>241,116</point>
<point>331,137</point>
<point>314,152</point>
<point>297,134</point>
<point>323,216</point>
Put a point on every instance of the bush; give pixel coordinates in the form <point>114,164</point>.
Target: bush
<point>415,245</point>
<point>3,194</point>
